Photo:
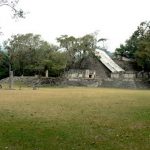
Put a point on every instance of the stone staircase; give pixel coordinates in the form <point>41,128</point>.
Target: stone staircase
<point>119,84</point>
<point>108,62</point>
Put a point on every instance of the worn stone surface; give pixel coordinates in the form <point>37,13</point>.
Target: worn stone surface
<point>33,81</point>
<point>127,66</point>
<point>97,82</point>
<point>119,84</point>
<point>92,63</point>
<point>82,82</point>
<point>80,73</point>
<point>108,82</point>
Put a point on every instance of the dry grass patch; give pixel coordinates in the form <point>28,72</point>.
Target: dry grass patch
<point>74,118</point>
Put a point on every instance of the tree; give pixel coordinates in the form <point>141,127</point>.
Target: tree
<point>13,5</point>
<point>55,63</point>
<point>88,44</point>
<point>69,44</point>
<point>142,54</point>
<point>130,46</point>
<point>77,48</point>
<point>137,46</point>
<point>3,64</point>
<point>27,52</point>
<point>31,55</point>
<point>17,13</point>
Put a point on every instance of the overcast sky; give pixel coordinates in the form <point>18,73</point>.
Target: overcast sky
<point>115,20</point>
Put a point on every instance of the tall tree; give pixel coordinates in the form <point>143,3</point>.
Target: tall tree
<point>77,48</point>
<point>17,13</point>
<point>88,44</point>
<point>31,55</point>
<point>27,52</point>
<point>137,46</point>
<point>142,54</point>
<point>3,64</point>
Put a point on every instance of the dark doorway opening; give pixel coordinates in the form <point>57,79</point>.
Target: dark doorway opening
<point>90,76</point>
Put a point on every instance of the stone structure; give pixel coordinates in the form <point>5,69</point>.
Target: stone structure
<point>92,71</point>
<point>115,75</point>
<point>46,73</point>
<point>78,73</point>
<point>11,79</point>
<point>129,75</point>
<point>101,71</point>
<point>124,75</point>
<point>89,67</point>
<point>108,62</point>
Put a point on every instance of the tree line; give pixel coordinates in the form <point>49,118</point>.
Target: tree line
<point>29,54</point>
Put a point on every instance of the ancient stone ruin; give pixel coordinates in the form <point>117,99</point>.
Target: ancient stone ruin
<point>101,70</point>
<point>98,70</point>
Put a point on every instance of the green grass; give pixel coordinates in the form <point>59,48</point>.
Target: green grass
<point>74,119</point>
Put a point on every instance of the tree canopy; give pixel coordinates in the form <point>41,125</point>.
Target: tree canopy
<point>77,48</point>
<point>29,54</point>
<point>17,13</point>
<point>138,46</point>
<point>3,65</point>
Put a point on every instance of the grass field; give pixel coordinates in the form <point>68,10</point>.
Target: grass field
<point>74,119</point>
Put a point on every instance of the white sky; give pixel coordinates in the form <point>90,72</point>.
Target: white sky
<point>116,20</point>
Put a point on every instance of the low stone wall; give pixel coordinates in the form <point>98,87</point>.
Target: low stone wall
<point>98,82</point>
<point>143,75</point>
<point>33,81</point>
<point>115,75</point>
<point>110,83</point>
<point>119,84</point>
<point>82,82</point>
<point>131,75</point>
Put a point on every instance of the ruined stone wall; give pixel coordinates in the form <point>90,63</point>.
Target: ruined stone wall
<point>127,66</point>
<point>131,75</point>
<point>92,63</point>
<point>31,81</point>
<point>107,82</point>
<point>84,73</point>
